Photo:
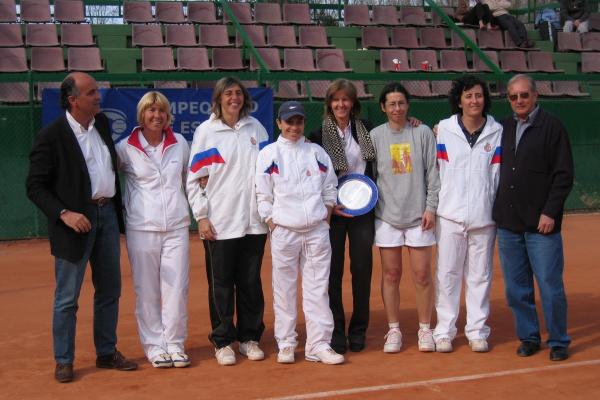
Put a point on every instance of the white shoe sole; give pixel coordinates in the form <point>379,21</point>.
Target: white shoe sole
<point>181,364</point>
<point>285,360</point>
<point>162,365</point>
<point>254,357</point>
<point>426,348</point>
<point>312,358</point>
<point>392,350</point>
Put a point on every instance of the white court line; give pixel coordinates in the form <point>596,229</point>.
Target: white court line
<point>404,385</point>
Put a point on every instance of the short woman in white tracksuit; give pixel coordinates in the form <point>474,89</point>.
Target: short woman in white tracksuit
<point>468,156</point>
<point>296,192</point>
<point>154,161</point>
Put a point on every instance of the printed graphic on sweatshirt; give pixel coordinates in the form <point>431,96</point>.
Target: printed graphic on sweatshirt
<point>401,161</point>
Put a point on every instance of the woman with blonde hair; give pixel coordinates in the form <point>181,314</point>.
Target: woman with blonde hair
<point>154,162</point>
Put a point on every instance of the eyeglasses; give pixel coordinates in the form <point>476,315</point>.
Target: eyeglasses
<point>523,95</point>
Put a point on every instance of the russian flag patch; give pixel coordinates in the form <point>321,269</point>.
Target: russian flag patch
<point>322,167</point>
<point>497,157</point>
<point>206,158</point>
<point>442,154</point>
<point>272,169</point>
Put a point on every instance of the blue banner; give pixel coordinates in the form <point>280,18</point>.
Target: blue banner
<point>190,107</point>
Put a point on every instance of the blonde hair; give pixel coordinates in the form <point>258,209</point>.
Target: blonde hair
<point>222,85</point>
<point>148,100</point>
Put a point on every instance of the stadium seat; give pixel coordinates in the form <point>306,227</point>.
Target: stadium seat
<point>138,12</point>
<point>288,90</point>
<point>76,35</point>
<point>202,12</point>
<point>281,36</point>
<point>513,61</point>
<point>41,86</point>
<point>441,88</point>
<point>490,40</point>
<point>8,11</point>
<point>405,38</point>
<point>318,89</point>
<point>170,12</point>
<point>181,35</point>
<point>299,60</point>
<point>203,84</point>
<point>480,66</point>
<point>47,59</point>
<point>157,59</point>
<point>331,60</point>
<point>361,90</point>
<point>84,59</point>
<point>419,57</point>
<point>241,11</point>
<point>296,14</point>
<point>569,41</point>
<point>250,84</point>
<point>510,44</point>
<point>170,84</point>
<point>214,36</point>
<point>14,92</point>
<point>454,60</point>
<point>594,21</point>
<point>436,20</point>
<point>357,14</point>
<point>413,16</point>
<point>41,35</point>
<point>255,33</point>
<point>418,88</point>
<point>544,89</point>
<point>590,41</point>
<point>271,58</point>
<point>457,42</point>
<point>10,35</point>
<point>385,15</point>
<point>590,62</point>
<point>541,61</point>
<point>35,11</point>
<point>68,11</point>
<point>569,88</point>
<point>375,37</point>
<point>387,57</point>
<point>193,59</point>
<point>433,38</point>
<point>313,36</point>
<point>227,59</point>
<point>146,35</point>
<point>13,59</point>
<point>267,13</point>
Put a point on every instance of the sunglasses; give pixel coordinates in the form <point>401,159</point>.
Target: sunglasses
<point>523,95</point>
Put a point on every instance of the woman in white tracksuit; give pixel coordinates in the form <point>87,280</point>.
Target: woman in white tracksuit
<point>296,192</point>
<point>468,156</point>
<point>154,161</point>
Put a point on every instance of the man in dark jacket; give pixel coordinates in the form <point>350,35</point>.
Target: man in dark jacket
<point>574,15</point>
<point>536,176</point>
<point>73,180</point>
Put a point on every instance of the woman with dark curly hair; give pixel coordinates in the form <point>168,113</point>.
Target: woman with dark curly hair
<point>468,157</point>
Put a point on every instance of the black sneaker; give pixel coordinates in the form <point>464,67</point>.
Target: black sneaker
<point>116,361</point>
<point>63,373</point>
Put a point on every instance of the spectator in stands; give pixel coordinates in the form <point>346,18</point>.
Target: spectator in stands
<point>408,183</point>
<point>223,154</point>
<point>536,176</point>
<point>345,137</point>
<point>474,12</point>
<point>154,161</point>
<point>507,22</point>
<point>574,15</point>
<point>468,157</point>
<point>73,180</point>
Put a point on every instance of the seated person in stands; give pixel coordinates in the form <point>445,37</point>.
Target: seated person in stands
<point>474,12</point>
<point>574,15</point>
<point>507,22</point>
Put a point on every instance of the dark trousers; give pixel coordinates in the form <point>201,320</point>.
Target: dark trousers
<point>360,231</point>
<point>233,273</point>
<point>481,12</point>
<point>516,29</point>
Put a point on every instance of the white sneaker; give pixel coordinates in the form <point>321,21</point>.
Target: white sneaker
<point>162,361</point>
<point>180,359</point>
<point>479,345</point>
<point>251,350</point>
<point>225,355</point>
<point>426,342</point>
<point>286,355</point>
<point>326,356</point>
<point>393,341</point>
<point>443,345</point>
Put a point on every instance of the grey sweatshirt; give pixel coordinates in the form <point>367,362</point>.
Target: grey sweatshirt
<point>407,177</point>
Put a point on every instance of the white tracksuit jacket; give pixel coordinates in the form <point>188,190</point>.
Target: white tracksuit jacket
<point>155,199</point>
<point>295,181</point>
<point>228,157</point>
<point>469,176</point>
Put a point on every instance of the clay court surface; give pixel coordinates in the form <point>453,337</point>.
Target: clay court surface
<point>26,369</point>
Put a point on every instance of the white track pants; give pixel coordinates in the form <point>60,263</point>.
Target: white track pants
<point>463,255</point>
<point>311,253</point>
<point>160,268</point>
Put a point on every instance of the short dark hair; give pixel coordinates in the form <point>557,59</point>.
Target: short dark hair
<point>391,88</point>
<point>68,87</point>
<point>467,82</point>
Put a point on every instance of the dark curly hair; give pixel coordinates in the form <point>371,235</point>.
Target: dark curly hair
<point>467,82</point>
<point>391,88</point>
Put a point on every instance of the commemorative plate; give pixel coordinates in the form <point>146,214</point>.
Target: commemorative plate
<point>357,193</point>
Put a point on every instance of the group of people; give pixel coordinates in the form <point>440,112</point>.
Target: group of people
<point>472,179</point>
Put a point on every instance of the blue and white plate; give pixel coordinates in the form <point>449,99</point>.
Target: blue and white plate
<point>357,193</point>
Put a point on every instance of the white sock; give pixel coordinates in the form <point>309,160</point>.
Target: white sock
<point>423,326</point>
<point>393,325</point>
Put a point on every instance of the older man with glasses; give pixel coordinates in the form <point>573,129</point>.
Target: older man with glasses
<point>536,177</point>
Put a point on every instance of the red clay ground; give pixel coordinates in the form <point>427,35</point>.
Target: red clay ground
<point>26,369</point>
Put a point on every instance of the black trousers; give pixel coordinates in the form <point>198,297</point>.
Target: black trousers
<point>481,12</point>
<point>516,29</point>
<point>360,231</point>
<point>233,273</point>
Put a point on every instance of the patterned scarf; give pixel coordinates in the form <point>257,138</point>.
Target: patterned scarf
<point>333,145</point>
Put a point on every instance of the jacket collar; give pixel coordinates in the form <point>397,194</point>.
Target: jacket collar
<point>134,139</point>
<point>489,128</point>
